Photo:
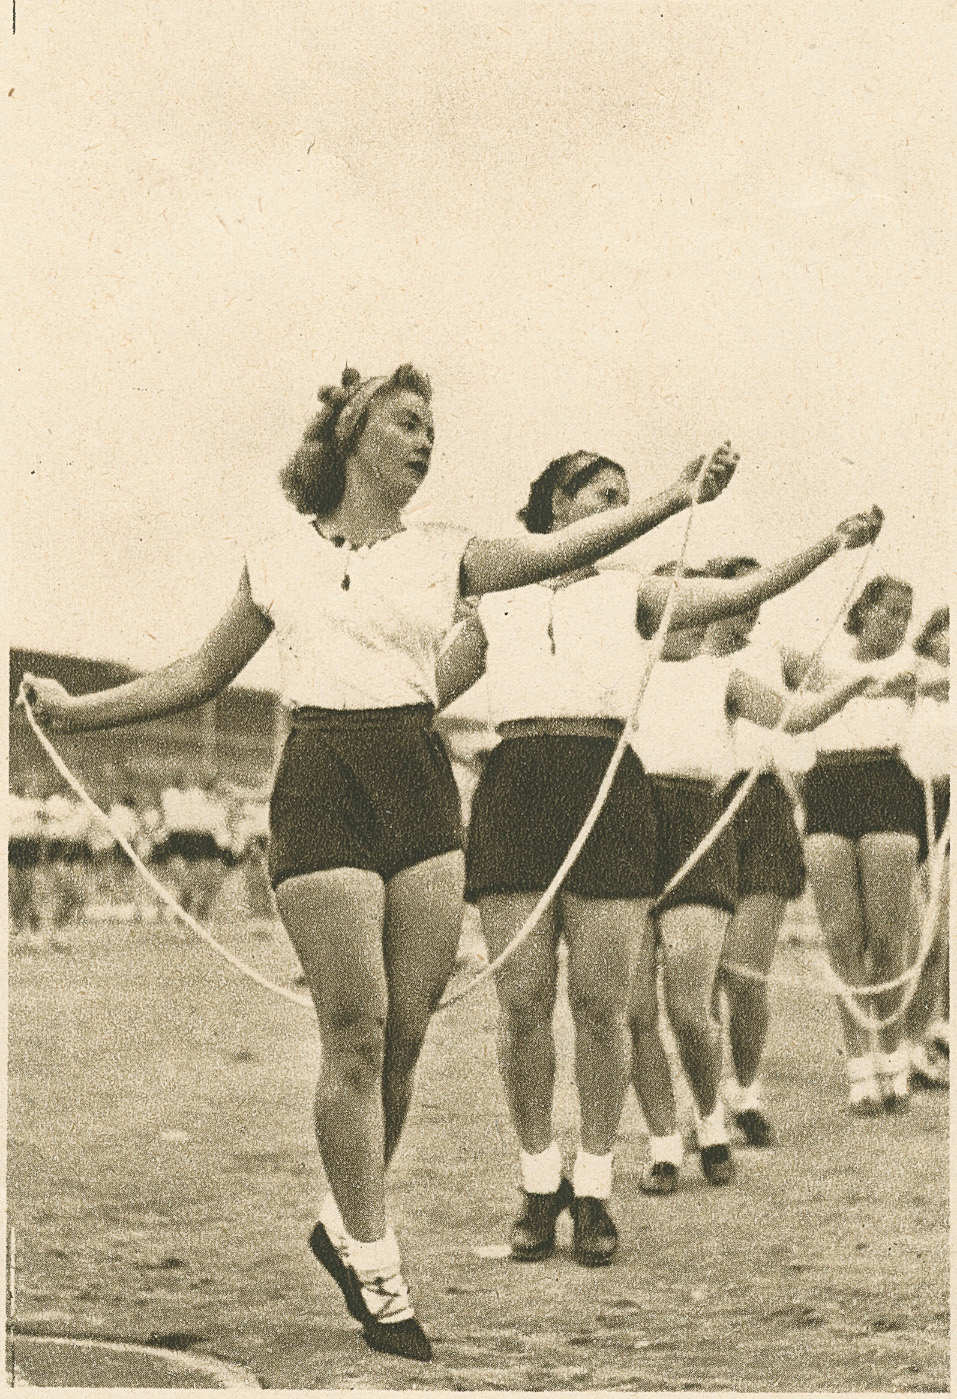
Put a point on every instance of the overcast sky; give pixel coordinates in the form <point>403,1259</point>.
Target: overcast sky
<point>634,228</point>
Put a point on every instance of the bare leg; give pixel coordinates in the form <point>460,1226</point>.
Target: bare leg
<point>832,869</point>
<point>888,864</point>
<point>692,936</point>
<point>650,1070</point>
<point>750,944</point>
<point>930,998</point>
<point>335,920</point>
<point>526,987</point>
<point>603,939</point>
<point>423,919</point>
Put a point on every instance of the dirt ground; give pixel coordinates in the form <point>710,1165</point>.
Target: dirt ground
<point>163,1180</point>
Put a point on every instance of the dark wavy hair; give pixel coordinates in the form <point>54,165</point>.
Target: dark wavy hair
<point>938,621</point>
<point>314,477</point>
<point>538,514</point>
<point>872,593</point>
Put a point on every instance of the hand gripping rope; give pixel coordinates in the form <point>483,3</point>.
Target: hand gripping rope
<point>544,903</point>
<point>298,998</point>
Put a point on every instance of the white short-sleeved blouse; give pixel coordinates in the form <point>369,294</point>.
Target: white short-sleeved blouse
<point>569,652</point>
<point>866,721</point>
<point>683,726</point>
<point>373,644</point>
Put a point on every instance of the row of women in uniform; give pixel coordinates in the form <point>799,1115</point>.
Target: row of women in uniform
<point>63,860</point>
<point>365,830</point>
<point>561,664</point>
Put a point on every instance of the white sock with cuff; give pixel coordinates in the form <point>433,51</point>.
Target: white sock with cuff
<point>541,1170</point>
<point>591,1175</point>
<point>712,1130</point>
<point>670,1149</point>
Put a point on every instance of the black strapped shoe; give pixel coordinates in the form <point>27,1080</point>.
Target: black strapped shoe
<point>717,1164</point>
<point>533,1233</point>
<point>595,1240</point>
<point>754,1127</point>
<point>340,1272</point>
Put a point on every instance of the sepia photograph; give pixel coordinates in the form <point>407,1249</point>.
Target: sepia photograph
<point>480,488</point>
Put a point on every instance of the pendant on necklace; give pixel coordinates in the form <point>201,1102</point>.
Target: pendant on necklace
<point>345,583</point>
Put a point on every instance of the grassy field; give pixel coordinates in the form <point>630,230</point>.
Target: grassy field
<point>163,1179</point>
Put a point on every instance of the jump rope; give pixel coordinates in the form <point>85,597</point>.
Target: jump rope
<point>848,994</point>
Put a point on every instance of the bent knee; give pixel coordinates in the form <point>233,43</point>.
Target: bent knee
<point>354,1048</point>
<point>599,1010</point>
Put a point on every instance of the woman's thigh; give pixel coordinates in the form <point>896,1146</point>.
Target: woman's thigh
<point>605,940</point>
<point>335,919</point>
<point>529,976</point>
<point>423,922</point>
<point>692,936</point>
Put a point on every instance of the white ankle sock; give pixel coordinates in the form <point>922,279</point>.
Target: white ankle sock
<point>742,1099</point>
<point>378,1259</point>
<point>670,1148</point>
<point>331,1220</point>
<point>712,1130</point>
<point>591,1175</point>
<point>542,1170</point>
<point>860,1067</point>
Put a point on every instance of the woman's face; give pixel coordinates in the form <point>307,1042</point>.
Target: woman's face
<point>395,447</point>
<point>884,624</point>
<point>607,489</point>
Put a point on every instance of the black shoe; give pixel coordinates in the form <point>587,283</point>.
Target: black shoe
<point>340,1272</point>
<point>595,1240</point>
<point>533,1233</point>
<point>928,1083</point>
<point>402,1338</point>
<point>717,1164</point>
<point>659,1178</point>
<point>754,1127</point>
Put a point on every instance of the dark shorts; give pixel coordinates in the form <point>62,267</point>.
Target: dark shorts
<point>688,808</point>
<point>770,849</point>
<point>368,789</point>
<point>189,845</point>
<point>68,852</point>
<point>858,794</point>
<point>941,790</point>
<point>532,800</point>
<point>24,852</point>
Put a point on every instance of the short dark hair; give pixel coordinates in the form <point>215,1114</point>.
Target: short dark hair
<point>938,621</point>
<point>538,514</point>
<point>314,478</point>
<point>872,593</point>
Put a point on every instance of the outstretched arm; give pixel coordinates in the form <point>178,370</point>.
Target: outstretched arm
<point>749,698</point>
<point>462,662</point>
<point>234,640</point>
<point>702,600</point>
<point>492,565</point>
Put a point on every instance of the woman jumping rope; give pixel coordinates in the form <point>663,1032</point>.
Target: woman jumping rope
<point>365,840</point>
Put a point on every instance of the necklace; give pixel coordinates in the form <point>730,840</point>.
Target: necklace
<point>339,541</point>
